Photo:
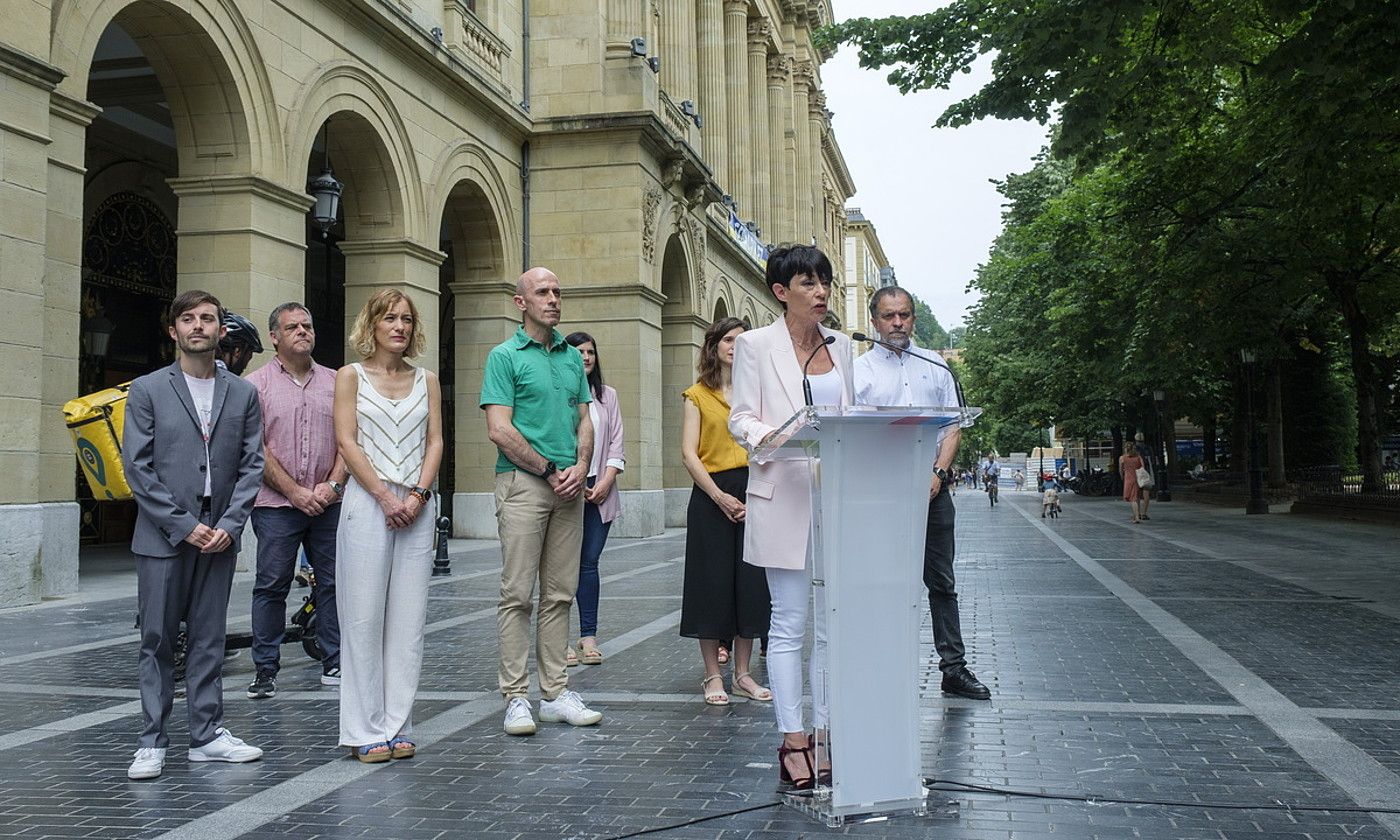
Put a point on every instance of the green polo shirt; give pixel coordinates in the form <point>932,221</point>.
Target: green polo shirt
<point>544,387</point>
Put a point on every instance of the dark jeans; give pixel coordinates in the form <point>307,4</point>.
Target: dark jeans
<point>281,530</point>
<point>595,535</point>
<point>942,591</point>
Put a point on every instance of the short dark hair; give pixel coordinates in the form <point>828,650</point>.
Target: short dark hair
<point>595,379</point>
<point>884,292</point>
<point>789,261</point>
<point>276,315</point>
<point>186,301</point>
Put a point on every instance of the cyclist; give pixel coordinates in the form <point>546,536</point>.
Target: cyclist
<point>239,344</point>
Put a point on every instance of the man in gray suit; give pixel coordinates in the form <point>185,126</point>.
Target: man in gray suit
<point>192,449</point>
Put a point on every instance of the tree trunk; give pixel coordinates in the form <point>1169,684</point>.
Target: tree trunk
<point>1239,427</point>
<point>1366,377</point>
<point>1208,441</point>
<point>1274,398</point>
<point>1117,433</point>
<point>1169,442</point>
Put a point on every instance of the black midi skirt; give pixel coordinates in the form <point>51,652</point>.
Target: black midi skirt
<point>723,597</point>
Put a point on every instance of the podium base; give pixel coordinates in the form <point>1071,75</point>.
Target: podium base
<point>818,806</point>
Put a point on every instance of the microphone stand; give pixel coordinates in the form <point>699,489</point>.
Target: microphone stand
<point>957,386</point>
<point>807,383</point>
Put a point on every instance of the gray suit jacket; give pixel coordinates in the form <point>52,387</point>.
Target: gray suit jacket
<point>163,453</point>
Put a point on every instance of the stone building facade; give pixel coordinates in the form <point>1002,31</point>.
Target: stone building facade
<point>866,270</point>
<point>151,146</point>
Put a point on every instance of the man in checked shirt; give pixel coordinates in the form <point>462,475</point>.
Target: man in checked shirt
<point>299,504</point>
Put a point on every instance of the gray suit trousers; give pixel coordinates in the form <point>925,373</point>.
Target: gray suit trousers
<point>192,587</point>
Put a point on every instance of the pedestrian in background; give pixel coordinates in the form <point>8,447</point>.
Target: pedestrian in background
<point>722,597</point>
<point>193,455</point>
<point>298,507</point>
<point>601,504</point>
<point>1128,465</point>
<point>1145,494</point>
<point>388,422</point>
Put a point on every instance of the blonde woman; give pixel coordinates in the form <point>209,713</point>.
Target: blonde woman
<point>1128,465</point>
<point>388,424</point>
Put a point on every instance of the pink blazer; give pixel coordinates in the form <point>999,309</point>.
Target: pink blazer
<point>768,390</point>
<point>608,436</point>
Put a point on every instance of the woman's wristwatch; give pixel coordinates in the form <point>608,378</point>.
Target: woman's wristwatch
<point>337,487</point>
<point>423,493</point>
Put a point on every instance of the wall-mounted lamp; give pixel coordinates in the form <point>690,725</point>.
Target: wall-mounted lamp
<point>437,33</point>
<point>654,63</point>
<point>326,190</point>
<point>688,108</point>
<point>639,47</point>
<point>728,201</point>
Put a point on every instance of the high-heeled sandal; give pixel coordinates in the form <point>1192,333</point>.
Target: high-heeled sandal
<point>785,779</point>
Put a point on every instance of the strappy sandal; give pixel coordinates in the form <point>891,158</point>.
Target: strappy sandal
<point>570,659</point>
<point>723,655</point>
<point>589,655</point>
<point>717,697</point>
<point>785,779</point>
<point>402,748</point>
<point>759,693</point>
<point>367,754</point>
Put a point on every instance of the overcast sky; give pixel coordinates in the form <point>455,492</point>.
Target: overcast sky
<point>927,190</point>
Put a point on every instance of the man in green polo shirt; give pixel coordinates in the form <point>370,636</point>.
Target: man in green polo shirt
<point>536,397</point>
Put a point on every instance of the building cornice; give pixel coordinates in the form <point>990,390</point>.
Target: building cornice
<point>241,184</point>
<point>27,68</point>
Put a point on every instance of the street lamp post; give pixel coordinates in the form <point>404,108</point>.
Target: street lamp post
<point>1256,503</point>
<point>1164,484</point>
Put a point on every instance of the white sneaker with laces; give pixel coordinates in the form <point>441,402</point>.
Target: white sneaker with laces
<point>519,721</point>
<point>568,707</point>
<point>225,747</point>
<point>148,764</point>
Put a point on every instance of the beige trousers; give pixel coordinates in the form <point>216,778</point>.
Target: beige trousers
<point>541,537</point>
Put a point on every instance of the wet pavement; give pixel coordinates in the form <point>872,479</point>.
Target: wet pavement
<point>1202,675</point>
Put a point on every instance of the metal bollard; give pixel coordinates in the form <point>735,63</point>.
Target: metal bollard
<point>441,564</point>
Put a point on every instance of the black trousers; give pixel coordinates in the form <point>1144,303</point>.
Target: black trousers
<point>942,589</point>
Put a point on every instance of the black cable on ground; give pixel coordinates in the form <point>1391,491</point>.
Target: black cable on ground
<point>695,821</point>
<point>956,787</point>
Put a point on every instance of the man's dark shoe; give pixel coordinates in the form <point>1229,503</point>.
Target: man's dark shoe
<point>265,686</point>
<point>962,683</point>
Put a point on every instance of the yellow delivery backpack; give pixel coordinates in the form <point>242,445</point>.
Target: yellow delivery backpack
<point>96,423</point>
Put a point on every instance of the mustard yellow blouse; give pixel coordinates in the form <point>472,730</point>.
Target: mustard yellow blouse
<point>717,449</point>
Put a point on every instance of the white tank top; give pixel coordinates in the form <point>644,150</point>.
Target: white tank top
<point>826,387</point>
<point>393,433</point>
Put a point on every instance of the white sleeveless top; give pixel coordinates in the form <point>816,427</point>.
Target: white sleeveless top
<point>393,433</point>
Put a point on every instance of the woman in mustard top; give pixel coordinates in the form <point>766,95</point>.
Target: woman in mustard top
<point>723,598</point>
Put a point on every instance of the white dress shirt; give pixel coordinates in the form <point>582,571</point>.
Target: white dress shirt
<point>885,378</point>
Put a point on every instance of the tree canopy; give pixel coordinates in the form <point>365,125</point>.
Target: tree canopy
<point>1221,176</point>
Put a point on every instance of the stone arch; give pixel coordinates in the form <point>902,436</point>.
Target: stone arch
<point>749,314</point>
<point>470,229</point>
<point>370,152</point>
<point>721,309</point>
<point>467,163</point>
<point>208,64</point>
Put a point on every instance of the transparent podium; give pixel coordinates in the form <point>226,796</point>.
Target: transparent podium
<point>870,472</point>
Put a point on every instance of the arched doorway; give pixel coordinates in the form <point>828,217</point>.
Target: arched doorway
<point>470,236</point>
<point>682,332</point>
<point>169,109</point>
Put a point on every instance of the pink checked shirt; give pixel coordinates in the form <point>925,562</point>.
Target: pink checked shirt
<point>298,428</point>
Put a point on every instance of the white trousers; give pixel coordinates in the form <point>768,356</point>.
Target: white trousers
<point>791,592</point>
<point>382,595</point>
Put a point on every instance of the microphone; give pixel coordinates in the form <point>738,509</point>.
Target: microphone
<point>807,383</point>
<point>957,386</point>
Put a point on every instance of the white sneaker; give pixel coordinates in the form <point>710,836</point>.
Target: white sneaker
<point>148,763</point>
<point>568,707</point>
<point>519,721</point>
<point>225,748</point>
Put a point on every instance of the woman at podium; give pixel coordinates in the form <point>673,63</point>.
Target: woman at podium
<point>774,367</point>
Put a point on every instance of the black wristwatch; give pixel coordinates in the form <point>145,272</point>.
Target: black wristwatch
<point>423,494</point>
<point>941,473</point>
<point>550,468</point>
<point>337,487</point>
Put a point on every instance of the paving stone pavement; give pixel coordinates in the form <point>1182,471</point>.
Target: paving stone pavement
<point>1202,658</point>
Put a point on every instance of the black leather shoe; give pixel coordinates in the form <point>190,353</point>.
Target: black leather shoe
<point>964,684</point>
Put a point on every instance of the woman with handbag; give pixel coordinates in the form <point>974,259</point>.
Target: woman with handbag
<point>1136,480</point>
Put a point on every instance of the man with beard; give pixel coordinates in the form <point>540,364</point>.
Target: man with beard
<point>890,376</point>
<point>193,455</point>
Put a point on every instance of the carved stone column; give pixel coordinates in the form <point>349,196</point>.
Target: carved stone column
<point>714,112</point>
<point>779,227</point>
<point>816,116</point>
<point>677,49</point>
<point>759,209</point>
<point>736,36</point>
<point>804,210</point>
<point>625,22</point>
